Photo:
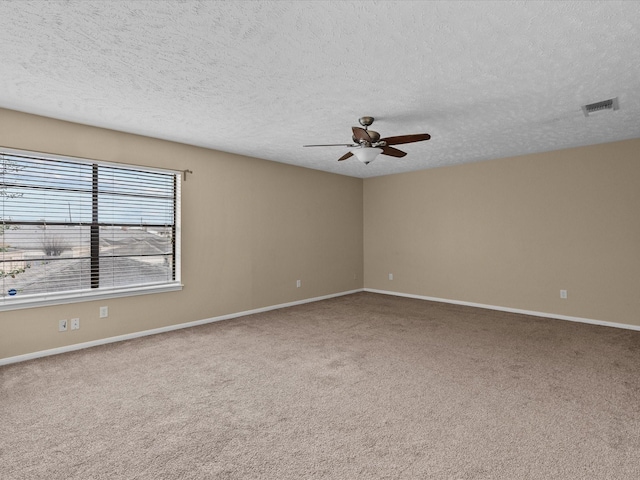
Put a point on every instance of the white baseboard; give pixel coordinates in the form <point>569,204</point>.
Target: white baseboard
<point>169,328</point>
<point>129,336</point>
<point>511,310</point>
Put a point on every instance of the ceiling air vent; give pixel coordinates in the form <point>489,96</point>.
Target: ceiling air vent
<point>611,104</point>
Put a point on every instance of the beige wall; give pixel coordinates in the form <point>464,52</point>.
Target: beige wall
<point>513,232</point>
<point>509,233</point>
<point>250,229</point>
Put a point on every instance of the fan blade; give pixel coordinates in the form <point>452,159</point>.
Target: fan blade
<point>361,134</point>
<point>333,145</point>
<point>345,156</point>
<point>393,152</point>
<point>418,137</point>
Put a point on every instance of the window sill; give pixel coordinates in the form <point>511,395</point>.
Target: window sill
<point>15,303</point>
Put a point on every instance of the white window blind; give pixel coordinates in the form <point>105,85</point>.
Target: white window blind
<point>73,229</point>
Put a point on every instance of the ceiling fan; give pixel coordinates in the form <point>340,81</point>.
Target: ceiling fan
<point>368,144</point>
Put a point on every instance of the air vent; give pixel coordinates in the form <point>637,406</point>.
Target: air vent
<point>611,104</point>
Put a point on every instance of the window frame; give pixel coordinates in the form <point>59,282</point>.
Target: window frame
<point>104,293</point>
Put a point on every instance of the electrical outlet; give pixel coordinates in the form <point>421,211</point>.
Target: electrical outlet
<point>104,312</point>
<point>62,325</point>
<point>298,283</point>
<point>563,294</point>
<point>75,323</point>
<point>391,276</point>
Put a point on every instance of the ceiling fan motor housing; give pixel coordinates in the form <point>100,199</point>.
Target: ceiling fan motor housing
<point>375,136</point>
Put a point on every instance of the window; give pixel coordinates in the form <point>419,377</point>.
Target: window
<point>74,229</point>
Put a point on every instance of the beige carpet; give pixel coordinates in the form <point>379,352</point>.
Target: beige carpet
<point>364,386</point>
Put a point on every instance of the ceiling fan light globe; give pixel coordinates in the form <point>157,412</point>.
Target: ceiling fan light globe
<point>366,154</point>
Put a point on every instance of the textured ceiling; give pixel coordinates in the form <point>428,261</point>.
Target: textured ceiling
<point>485,79</point>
